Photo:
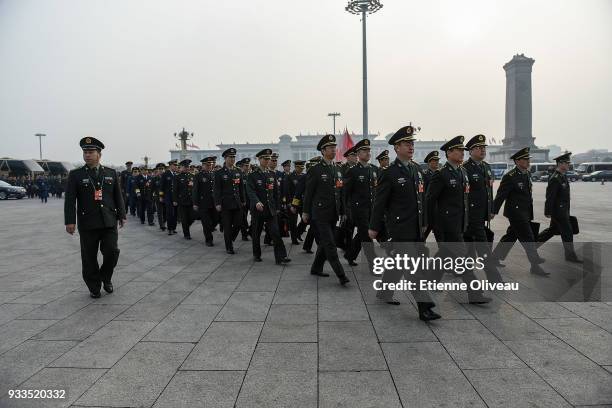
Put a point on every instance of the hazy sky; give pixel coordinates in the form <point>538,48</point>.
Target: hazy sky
<point>133,72</point>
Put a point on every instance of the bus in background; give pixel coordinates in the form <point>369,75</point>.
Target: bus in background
<point>499,169</point>
<point>590,167</point>
<point>542,171</point>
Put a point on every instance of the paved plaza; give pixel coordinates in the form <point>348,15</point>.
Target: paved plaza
<point>190,326</point>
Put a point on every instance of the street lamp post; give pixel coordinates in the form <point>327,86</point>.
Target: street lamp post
<point>364,7</point>
<point>333,115</point>
<point>183,136</point>
<point>40,136</point>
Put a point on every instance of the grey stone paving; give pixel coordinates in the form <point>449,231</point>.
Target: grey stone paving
<point>189,326</point>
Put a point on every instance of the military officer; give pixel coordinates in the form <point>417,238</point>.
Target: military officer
<point>299,195</point>
<point>131,190</point>
<point>264,197</point>
<point>144,196</point>
<point>230,199</point>
<point>94,203</point>
<point>167,179</point>
<point>295,209</point>
<point>399,199</point>
<point>515,190</point>
<point>323,207</point>
<point>383,159</point>
<point>557,208</point>
<point>158,195</point>
<point>285,200</point>
<point>480,177</point>
<point>203,198</point>
<point>360,183</point>
<point>182,192</point>
<point>245,168</point>
<point>447,200</point>
<point>125,175</point>
<point>432,159</point>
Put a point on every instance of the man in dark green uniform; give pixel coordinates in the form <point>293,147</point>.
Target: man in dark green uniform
<point>245,168</point>
<point>447,200</point>
<point>229,194</point>
<point>182,187</point>
<point>383,159</point>
<point>399,205</point>
<point>125,175</point>
<point>359,191</point>
<point>323,207</point>
<point>557,208</point>
<point>478,232</point>
<point>203,198</point>
<point>515,190</point>
<point>167,180</point>
<point>158,196</point>
<point>299,199</point>
<point>295,204</point>
<point>263,193</point>
<point>433,164</point>
<point>94,202</point>
<point>144,196</point>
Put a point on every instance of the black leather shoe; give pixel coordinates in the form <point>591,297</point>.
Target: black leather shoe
<point>169,232</point>
<point>209,244</point>
<point>152,224</point>
<point>308,251</point>
<point>427,315</point>
<point>343,280</point>
<point>537,270</point>
<point>230,251</point>
<point>162,228</point>
<point>295,242</point>
<point>351,262</point>
<point>479,299</point>
<point>94,295</point>
<point>188,237</point>
<point>256,259</point>
<point>245,238</point>
<point>108,287</point>
<point>573,258</point>
<point>320,274</point>
<point>285,260</point>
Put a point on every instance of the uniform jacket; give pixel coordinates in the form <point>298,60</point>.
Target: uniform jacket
<point>182,187</point>
<point>359,191</point>
<point>82,209</point>
<point>399,198</point>
<point>298,194</point>
<point>262,188</point>
<point>481,179</point>
<point>447,198</point>
<point>322,195</point>
<point>557,202</point>
<point>167,179</point>
<point>229,190</point>
<point>143,186</point>
<point>292,182</point>
<point>203,190</point>
<point>515,190</point>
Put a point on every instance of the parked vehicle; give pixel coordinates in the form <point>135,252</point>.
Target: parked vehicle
<point>590,167</point>
<point>605,175</point>
<point>499,169</point>
<point>7,191</point>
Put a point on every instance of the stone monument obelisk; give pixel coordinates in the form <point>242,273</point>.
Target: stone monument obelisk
<point>518,132</point>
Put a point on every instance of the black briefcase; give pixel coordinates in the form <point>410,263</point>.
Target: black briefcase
<point>574,224</point>
<point>535,228</point>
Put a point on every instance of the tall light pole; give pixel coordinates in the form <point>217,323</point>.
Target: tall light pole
<point>333,115</point>
<point>364,7</point>
<point>40,136</point>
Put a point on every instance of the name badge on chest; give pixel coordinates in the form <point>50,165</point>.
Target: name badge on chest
<point>98,194</point>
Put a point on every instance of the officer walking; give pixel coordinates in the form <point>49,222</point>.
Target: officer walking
<point>229,194</point>
<point>245,168</point>
<point>182,187</point>
<point>203,198</point>
<point>448,198</point>
<point>515,190</point>
<point>296,177</point>
<point>263,193</point>
<point>433,164</point>
<point>158,196</point>
<point>399,200</point>
<point>167,180</point>
<point>557,208</point>
<point>144,196</point>
<point>94,202</point>
<point>131,188</point>
<point>125,175</point>
<point>323,207</point>
<point>359,191</point>
<point>299,199</point>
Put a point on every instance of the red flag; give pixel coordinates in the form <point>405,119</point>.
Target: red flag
<point>345,144</point>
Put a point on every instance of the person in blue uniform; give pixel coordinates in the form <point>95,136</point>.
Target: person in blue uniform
<point>94,204</point>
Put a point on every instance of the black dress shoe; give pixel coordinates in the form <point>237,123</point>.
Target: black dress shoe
<point>324,274</point>
<point>152,224</point>
<point>108,287</point>
<point>162,228</point>
<point>209,244</point>
<point>295,242</point>
<point>479,299</point>
<point>257,259</point>
<point>94,295</point>
<point>285,260</point>
<point>427,315</point>
<point>537,270</point>
<point>343,280</point>
<point>245,238</point>
<point>230,251</point>
<point>351,262</point>
<point>169,232</point>
<point>308,251</point>
<point>187,237</point>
